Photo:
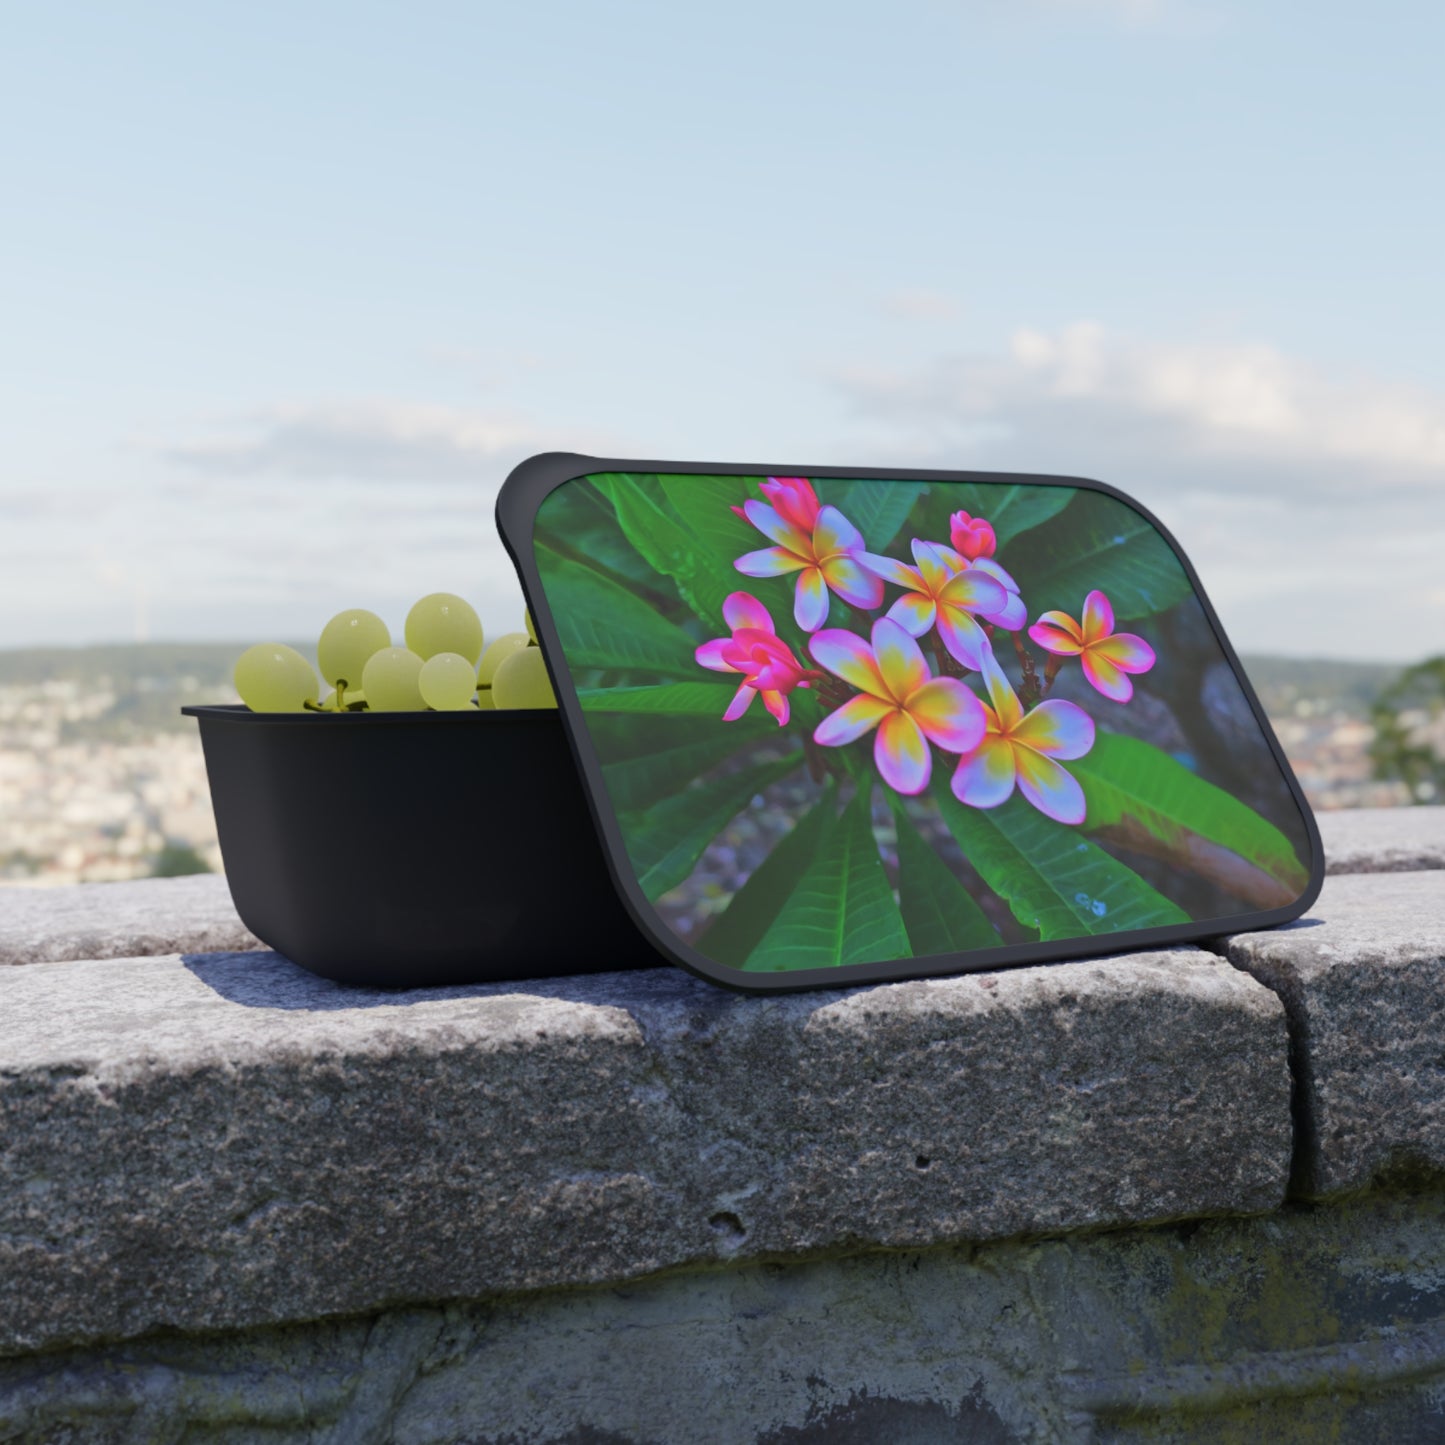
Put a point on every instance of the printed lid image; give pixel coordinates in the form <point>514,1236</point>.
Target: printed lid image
<point>837,727</point>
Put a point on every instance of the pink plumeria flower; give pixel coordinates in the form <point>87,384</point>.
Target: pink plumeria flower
<point>1024,749</point>
<point>1013,614</point>
<point>1106,656</point>
<point>898,696</point>
<point>793,499</point>
<point>943,591</point>
<point>819,543</point>
<point>769,666</point>
<point>971,536</point>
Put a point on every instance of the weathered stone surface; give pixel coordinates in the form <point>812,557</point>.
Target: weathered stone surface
<point>1383,840</point>
<point>1363,980</point>
<point>121,920</point>
<point>229,1141</point>
<point>194,915</point>
<point>1325,1323</point>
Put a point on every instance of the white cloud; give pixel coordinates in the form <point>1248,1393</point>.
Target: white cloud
<point>1312,503</point>
<point>266,523</point>
<point>1127,12</point>
<point>1126,9</point>
<point>33,503</point>
<point>402,505</point>
<point>1211,401</point>
<point>376,440</point>
<point>919,304</point>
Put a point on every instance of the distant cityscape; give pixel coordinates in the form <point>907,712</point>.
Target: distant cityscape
<point>101,778</point>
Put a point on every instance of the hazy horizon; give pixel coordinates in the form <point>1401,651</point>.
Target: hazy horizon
<point>308,644</point>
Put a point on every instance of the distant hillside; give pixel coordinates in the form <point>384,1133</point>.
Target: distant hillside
<point>151,681</point>
<point>1283,681</point>
<point>130,663</point>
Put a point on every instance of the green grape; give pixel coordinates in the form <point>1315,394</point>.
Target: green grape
<point>272,677</point>
<point>390,681</point>
<point>485,700</point>
<point>497,652</point>
<point>531,626</point>
<point>346,642</point>
<point>354,698</point>
<point>448,682</point>
<point>442,622</point>
<point>522,681</point>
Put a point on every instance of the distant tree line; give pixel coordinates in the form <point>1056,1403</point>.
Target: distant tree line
<point>1409,740</point>
<point>178,860</point>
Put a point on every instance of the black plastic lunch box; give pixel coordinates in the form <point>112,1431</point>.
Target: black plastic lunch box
<point>410,849</point>
<point>400,849</point>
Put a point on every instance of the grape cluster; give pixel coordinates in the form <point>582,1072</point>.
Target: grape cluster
<point>443,666</point>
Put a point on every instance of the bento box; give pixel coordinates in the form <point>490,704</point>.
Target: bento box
<point>812,729</point>
<point>407,849</point>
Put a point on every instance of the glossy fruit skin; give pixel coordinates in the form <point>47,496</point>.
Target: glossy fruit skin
<point>444,622</point>
<point>391,681</point>
<point>448,682</point>
<point>498,650</point>
<point>271,677</point>
<point>347,642</point>
<point>522,681</point>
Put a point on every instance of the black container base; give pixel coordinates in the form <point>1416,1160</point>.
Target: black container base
<point>397,850</point>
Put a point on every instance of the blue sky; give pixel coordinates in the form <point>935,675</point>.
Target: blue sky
<point>285,290</point>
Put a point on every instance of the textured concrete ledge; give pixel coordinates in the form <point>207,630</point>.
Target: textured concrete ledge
<point>1383,840</point>
<point>367,1194</point>
<point>121,920</point>
<point>1308,1325</point>
<point>228,1141</point>
<point>194,915</point>
<point>1363,980</point>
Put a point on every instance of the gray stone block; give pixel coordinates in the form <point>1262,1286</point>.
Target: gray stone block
<point>1363,980</point>
<point>121,920</point>
<point>1383,840</point>
<point>228,1141</point>
<point>1307,1324</point>
<point>154,916</point>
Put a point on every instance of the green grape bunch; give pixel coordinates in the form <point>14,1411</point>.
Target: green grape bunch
<point>522,681</point>
<point>496,654</point>
<point>448,682</point>
<point>272,677</point>
<point>442,622</point>
<point>345,644</point>
<point>391,681</point>
<point>443,666</point>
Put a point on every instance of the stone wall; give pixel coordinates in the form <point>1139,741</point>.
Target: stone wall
<point>1181,1195</point>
